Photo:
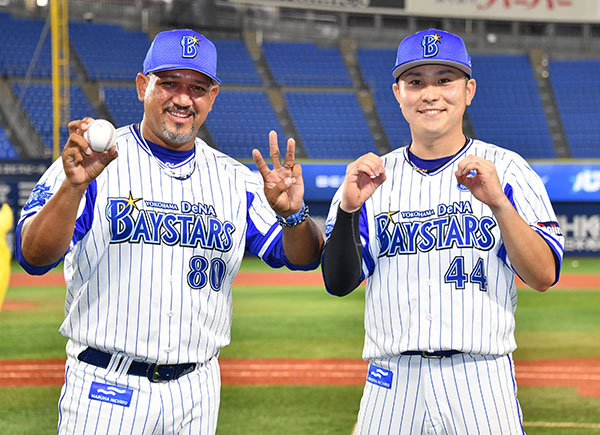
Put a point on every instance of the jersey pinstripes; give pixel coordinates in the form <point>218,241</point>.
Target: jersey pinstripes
<point>155,408</point>
<point>134,295</point>
<point>438,275</point>
<point>462,394</point>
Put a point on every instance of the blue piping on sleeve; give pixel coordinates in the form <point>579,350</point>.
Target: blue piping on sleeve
<point>274,255</point>
<point>557,255</point>
<point>363,224</point>
<point>82,226</point>
<point>508,191</point>
<point>32,270</point>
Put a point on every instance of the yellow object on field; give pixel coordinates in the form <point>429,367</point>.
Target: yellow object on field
<point>6,223</point>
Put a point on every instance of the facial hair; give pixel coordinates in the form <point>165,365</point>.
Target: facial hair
<point>178,136</point>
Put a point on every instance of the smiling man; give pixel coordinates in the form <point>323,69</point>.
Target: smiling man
<point>439,228</point>
<point>152,240</point>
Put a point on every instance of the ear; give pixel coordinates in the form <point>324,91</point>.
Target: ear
<point>214,91</point>
<point>471,88</point>
<point>141,83</point>
<point>396,91</point>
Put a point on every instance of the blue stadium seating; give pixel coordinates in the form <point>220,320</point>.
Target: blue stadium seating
<point>376,66</point>
<point>234,64</point>
<point>7,151</point>
<point>108,51</point>
<point>507,109</point>
<point>331,125</point>
<point>305,64</point>
<point>241,120</point>
<point>19,40</point>
<point>575,82</point>
<point>123,104</point>
<point>37,102</point>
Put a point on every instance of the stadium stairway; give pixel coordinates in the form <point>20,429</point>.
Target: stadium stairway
<point>363,95</point>
<point>21,130</point>
<point>273,92</point>
<point>539,65</point>
<point>89,87</point>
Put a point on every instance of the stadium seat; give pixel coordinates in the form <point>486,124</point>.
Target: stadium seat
<point>331,125</point>
<point>7,151</point>
<point>37,102</point>
<point>306,64</point>
<point>20,38</point>
<point>118,54</point>
<point>507,109</point>
<point>234,63</point>
<point>574,82</point>
<point>241,121</point>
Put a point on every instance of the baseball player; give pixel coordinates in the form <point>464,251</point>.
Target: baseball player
<point>152,240</point>
<point>439,228</point>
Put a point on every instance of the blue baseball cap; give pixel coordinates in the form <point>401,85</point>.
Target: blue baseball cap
<point>429,47</point>
<point>182,49</point>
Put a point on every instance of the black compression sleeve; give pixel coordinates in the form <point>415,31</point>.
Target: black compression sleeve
<point>342,255</point>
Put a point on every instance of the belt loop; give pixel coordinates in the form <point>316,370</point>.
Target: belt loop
<point>429,355</point>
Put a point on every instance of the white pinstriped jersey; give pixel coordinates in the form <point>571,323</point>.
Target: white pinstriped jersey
<point>438,277</point>
<point>153,257</point>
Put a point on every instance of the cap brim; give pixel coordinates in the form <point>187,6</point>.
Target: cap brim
<point>402,68</point>
<point>170,67</point>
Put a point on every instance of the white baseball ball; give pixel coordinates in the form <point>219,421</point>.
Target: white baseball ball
<point>100,135</point>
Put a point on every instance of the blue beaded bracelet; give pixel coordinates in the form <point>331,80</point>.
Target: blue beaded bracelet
<point>295,219</point>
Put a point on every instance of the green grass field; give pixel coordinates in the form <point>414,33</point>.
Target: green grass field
<point>305,322</point>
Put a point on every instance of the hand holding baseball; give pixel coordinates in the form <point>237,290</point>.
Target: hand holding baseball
<point>101,135</point>
<point>80,162</point>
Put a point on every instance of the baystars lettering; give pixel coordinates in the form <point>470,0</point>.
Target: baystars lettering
<point>199,227</point>
<point>453,226</point>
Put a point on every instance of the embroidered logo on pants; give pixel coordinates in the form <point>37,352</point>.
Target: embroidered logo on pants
<point>111,394</point>
<point>380,376</point>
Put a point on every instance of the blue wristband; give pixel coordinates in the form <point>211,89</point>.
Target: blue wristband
<point>295,219</point>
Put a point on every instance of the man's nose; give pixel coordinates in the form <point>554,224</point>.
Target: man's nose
<point>430,93</point>
<point>182,98</point>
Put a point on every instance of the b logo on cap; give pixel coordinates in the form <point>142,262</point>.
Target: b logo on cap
<point>430,45</point>
<point>189,44</point>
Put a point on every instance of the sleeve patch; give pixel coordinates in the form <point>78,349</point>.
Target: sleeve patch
<point>550,227</point>
<point>39,196</point>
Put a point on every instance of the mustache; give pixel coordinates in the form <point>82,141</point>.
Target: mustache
<point>181,109</point>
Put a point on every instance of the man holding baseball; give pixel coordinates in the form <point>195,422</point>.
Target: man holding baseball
<point>439,228</point>
<point>152,233</point>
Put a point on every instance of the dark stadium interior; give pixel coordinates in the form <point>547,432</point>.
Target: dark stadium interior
<point>323,77</point>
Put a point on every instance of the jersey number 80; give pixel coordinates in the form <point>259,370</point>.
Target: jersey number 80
<point>202,271</point>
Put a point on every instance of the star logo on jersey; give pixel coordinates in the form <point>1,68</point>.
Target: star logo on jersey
<point>132,202</point>
<point>196,226</point>
<point>389,215</point>
<point>430,45</point>
<point>450,225</point>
